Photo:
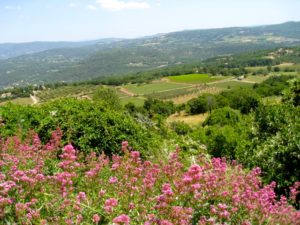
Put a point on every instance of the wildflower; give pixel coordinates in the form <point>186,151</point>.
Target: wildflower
<point>110,204</point>
<point>96,218</point>
<point>113,180</point>
<point>122,219</point>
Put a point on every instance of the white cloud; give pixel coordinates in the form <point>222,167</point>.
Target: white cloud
<point>116,5</point>
<point>91,7</point>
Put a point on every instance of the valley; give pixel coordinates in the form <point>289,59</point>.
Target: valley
<point>181,128</point>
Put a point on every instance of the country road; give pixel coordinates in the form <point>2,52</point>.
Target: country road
<point>34,99</point>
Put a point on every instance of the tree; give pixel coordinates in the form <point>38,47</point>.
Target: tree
<point>243,99</point>
<point>108,97</point>
<point>222,117</point>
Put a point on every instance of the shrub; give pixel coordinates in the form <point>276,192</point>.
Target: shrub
<point>272,86</point>
<point>243,99</point>
<point>156,106</point>
<point>108,97</point>
<point>222,141</point>
<point>87,125</point>
<point>275,144</point>
<point>181,128</point>
<point>222,117</point>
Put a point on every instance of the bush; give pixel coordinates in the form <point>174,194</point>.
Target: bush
<point>108,97</point>
<point>275,144</point>
<point>222,141</point>
<point>243,99</point>
<point>222,117</point>
<point>181,128</point>
<point>272,86</point>
<point>156,106</point>
<point>87,125</point>
<point>206,102</point>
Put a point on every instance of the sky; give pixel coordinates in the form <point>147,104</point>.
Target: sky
<point>79,20</point>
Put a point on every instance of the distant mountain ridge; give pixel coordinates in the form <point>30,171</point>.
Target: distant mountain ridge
<point>110,57</point>
<point>10,50</point>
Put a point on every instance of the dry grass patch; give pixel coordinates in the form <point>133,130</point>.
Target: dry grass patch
<point>192,120</point>
<point>20,101</point>
<point>185,98</point>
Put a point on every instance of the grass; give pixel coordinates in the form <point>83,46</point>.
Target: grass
<point>20,101</point>
<point>192,120</point>
<point>143,89</point>
<point>272,100</point>
<point>137,101</point>
<point>173,93</point>
<point>195,78</point>
<point>232,85</point>
<point>196,92</point>
<point>256,68</point>
<point>257,78</point>
<point>66,91</point>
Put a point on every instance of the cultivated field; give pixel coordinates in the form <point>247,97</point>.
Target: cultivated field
<point>143,89</point>
<point>231,85</point>
<point>195,78</point>
<point>137,101</point>
<point>67,91</point>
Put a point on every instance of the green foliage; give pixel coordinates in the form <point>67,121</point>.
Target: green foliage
<point>272,86</point>
<point>197,105</point>
<point>180,128</point>
<point>243,99</point>
<point>87,125</point>
<point>292,95</point>
<point>16,119</point>
<point>156,106</point>
<point>222,117</point>
<point>206,102</point>
<point>222,141</point>
<point>275,144</point>
<point>108,97</point>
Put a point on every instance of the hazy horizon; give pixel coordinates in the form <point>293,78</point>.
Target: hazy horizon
<point>149,35</point>
<point>84,20</point>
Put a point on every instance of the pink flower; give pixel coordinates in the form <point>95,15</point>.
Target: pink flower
<point>165,222</point>
<point>124,145</point>
<point>101,193</point>
<point>122,219</point>
<point>166,189</point>
<point>110,204</point>
<point>81,197</point>
<point>135,154</point>
<point>96,218</point>
<point>113,180</point>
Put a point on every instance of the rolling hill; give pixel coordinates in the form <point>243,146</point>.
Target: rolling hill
<point>117,57</point>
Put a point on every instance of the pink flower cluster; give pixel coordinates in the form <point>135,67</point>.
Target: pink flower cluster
<point>48,184</point>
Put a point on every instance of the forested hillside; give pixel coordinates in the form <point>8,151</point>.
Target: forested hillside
<point>129,56</point>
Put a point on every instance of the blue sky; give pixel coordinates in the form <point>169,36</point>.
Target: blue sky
<point>73,20</point>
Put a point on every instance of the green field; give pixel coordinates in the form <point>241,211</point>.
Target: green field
<point>142,89</point>
<point>137,101</point>
<point>232,85</point>
<point>195,78</point>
